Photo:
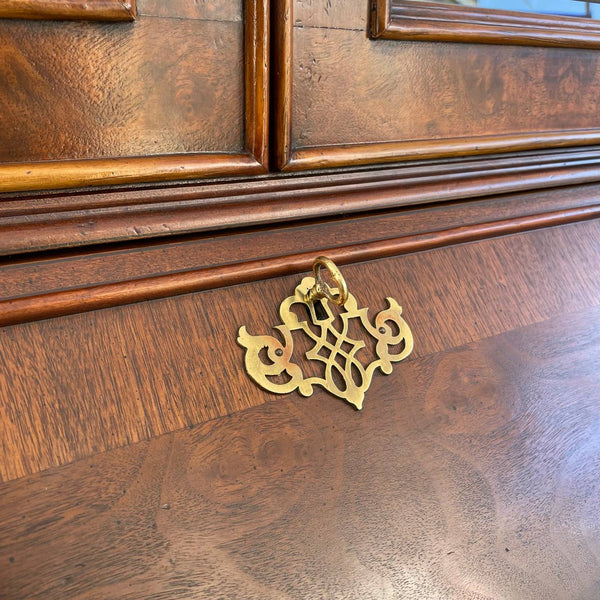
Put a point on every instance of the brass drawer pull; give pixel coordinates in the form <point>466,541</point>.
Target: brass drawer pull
<point>344,375</point>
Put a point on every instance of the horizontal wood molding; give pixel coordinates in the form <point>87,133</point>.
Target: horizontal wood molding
<point>384,152</point>
<point>41,273</point>
<point>81,299</point>
<point>84,10</point>
<point>41,222</point>
<point>85,173</point>
<point>431,21</point>
<point>64,174</point>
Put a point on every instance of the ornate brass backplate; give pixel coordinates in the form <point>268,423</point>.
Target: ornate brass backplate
<point>344,375</point>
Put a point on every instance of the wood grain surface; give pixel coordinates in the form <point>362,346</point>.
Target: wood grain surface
<point>78,10</point>
<point>332,14</point>
<point>92,382</point>
<point>158,86</point>
<point>208,10</point>
<point>471,90</point>
<point>471,473</point>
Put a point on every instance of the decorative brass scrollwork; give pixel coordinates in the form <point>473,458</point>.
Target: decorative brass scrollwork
<point>344,375</point>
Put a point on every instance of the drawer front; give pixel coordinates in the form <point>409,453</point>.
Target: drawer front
<point>137,453</point>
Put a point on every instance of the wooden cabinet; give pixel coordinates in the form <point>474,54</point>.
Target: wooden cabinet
<point>139,460</point>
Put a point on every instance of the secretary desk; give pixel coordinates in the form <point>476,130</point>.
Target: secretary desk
<point>169,173</point>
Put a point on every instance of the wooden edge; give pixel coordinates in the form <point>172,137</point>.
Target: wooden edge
<point>71,301</point>
<point>469,14</point>
<point>78,220</point>
<point>281,81</point>
<point>380,17</point>
<point>430,21</point>
<point>82,173</point>
<point>256,53</point>
<point>384,152</point>
<point>72,10</point>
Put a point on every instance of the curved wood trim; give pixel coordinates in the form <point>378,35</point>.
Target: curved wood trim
<point>82,173</point>
<point>71,301</point>
<point>385,152</point>
<point>72,10</point>
<point>42,223</point>
<point>430,21</point>
<point>281,81</point>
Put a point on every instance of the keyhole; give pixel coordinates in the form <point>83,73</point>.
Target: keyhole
<point>320,311</point>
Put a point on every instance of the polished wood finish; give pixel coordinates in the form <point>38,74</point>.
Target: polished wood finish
<point>137,458</point>
<point>78,10</point>
<point>138,109</point>
<point>387,152</point>
<point>155,367</point>
<point>33,223</point>
<point>476,102</point>
<point>470,473</point>
<point>427,21</point>
<point>67,174</point>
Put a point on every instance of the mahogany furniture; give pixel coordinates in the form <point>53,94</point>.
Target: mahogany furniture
<point>167,179</point>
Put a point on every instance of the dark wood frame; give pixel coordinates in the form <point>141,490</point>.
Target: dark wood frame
<point>73,10</point>
<point>430,21</point>
<point>90,172</point>
<point>288,158</point>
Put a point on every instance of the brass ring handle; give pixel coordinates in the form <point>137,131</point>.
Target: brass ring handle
<point>321,289</point>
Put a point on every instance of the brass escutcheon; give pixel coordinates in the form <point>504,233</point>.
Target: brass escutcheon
<point>268,359</point>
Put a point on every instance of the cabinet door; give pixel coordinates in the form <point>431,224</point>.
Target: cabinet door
<point>357,85</point>
<point>178,93</point>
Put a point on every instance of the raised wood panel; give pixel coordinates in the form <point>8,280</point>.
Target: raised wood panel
<point>160,86</point>
<point>162,98</point>
<point>470,474</point>
<point>426,21</point>
<point>155,367</point>
<point>403,92</point>
<point>407,100</point>
<point>80,10</point>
